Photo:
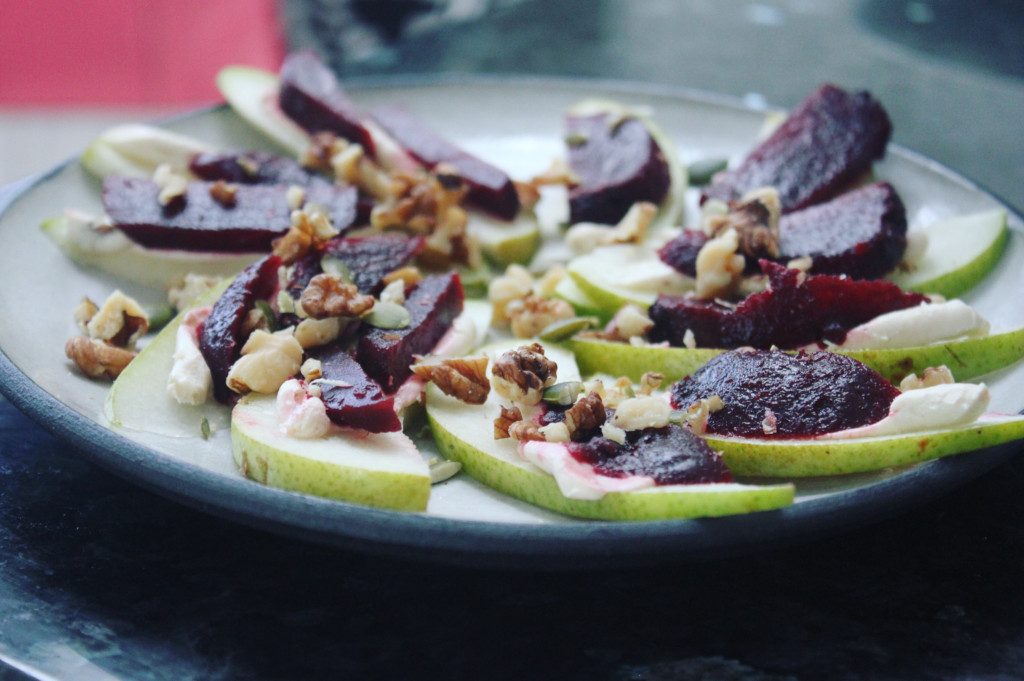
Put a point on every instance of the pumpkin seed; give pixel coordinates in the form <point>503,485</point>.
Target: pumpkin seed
<point>565,328</point>
<point>388,316</point>
<point>702,170</point>
<point>331,265</point>
<point>563,394</point>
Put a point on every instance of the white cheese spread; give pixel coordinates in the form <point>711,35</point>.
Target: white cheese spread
<point>936,408</point>
<point>577,480</point>
<point>915,326</point>
<point>189,381</point>
<point>300,414</point>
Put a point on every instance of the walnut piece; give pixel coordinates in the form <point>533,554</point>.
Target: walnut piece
<point>326,295</point>
<point>464,378</point>
<point>96,358</point>
<point>224,193</point>
<point>584,237</point>
<point>698,412</point>
<point>650,382</point>
<point>173,185</point>
<point>931,376</point>
<point>756,221</point>
<point>524,431</point>
<point>515,284</point>
<point>531,315</point>
<point>719,267</point>
<point>642,412</point>
<point>267,361</point>
<point>120,320</point>
<point>311,227</point>
<point>520,375</point>
<point>507,417</point>
<point>587,414</point>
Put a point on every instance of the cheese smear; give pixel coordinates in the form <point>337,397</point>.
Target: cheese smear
<point>189,381</point>
<point>577,480</point>
<point>914,326</point>
<point>936,408</point>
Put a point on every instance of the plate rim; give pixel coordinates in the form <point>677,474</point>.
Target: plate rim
<point>434,539</point>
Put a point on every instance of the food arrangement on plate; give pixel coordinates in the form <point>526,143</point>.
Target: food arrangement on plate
<point>630,364</point>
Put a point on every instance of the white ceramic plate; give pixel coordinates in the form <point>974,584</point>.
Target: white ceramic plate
<point>516,124</point>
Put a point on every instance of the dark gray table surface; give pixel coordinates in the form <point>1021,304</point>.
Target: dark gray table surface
<point>101,580</point>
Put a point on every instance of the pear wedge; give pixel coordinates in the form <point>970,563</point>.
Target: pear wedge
<point>966,359</point>
<point>813,457</point>
<point>377,469</point>
<point>466,434</point>
<point>111,251</point>
<point>137,150</point>
<point>138,399</point>
<point>961,251</point>
<point>504,243</point>
<point>612,276</point>
<point>569,291</point>
<point>252,93</point>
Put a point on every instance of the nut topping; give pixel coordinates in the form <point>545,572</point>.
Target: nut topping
<point>507,417</point>
<point>224,193</point>
<point>327,295</point>
<point>464,378</point>
<point>532,314</point>
<point>521,375</point>
<point>587,414</point>
<point>96,358</point>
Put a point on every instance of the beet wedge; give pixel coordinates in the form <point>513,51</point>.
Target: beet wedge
<point>861,234</point>
<point>368,258</point>
<point>387,353</point>
<point>198,222</point>
<point>617,163</point>
<point>794,312</point>
<point>253,167</point>
<point>489,188</point>
<point>828,143</point>
<point>221,337</point>
<point>770,393</point>
<point>311,96</point>
<point>353,398</point>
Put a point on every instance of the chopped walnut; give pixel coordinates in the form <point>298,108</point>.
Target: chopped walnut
<point>464,378</point>
<point>409,275</point>
<point>629,322</point>
<point>558,173</point>
<point>689,339</point>
<point>524,431</point>
<point>312,333</point>
<point>620,391</point>
<point>528,194</point>
<point>587,414</point>
<point>267,361</point>
<point>312,369</point>
<point>96,358</point>
<point>520,375</point>
<point>613,433</point>
<point>584,237</point>
<point>931,376</point>
<point>770,424</point>
<point>698,412</point>
<point>120,320</point>
<point>505,420</point>
<point>546,284</point>
<point>296,196</point>
<point>255,319</point>
<point>650,382</point>
<point>322,146</point>
<point>756,220</point>
<point>719,266</point>
<point>642,412</point>
<point>345,162</point>
<point>85,311</point>
<point>326,295</point>
<point>224,193</point>
<point>515,284</point>
<point>173,185</point>
<point>311,227</point>
<point>394,293</point>
<point>533,314</point>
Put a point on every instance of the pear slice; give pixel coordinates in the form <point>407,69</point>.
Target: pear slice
<point>138,399</point>
<point>137,150</point>
<point>568,290</point>
<point>252,93</point>
<point>376,469</point>
<point>612,276</point>
<point>504,243</point>
<point>466,434</point>
<point>670,212</point>
<point>111,251</point>
<point>966,359</point>
<point>960,252</point>
<point>813,457</point>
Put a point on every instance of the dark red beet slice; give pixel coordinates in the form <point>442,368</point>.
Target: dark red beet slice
<point>672,456</point>
<point>198,222</point>
<point>790,314</point>
<point>220,339</point>
<point>861,234</point>
<point>825,145</point>
<point>805,394</point>
<point>490,189</point>
<point>253,167</point>
<point>617,165</point>
<point>369,258</point>
<point>359,402</point>
<point>387,353</point>
<point>311,96</point>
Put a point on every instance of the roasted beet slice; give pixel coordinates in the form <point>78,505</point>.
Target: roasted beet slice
<point>617,162</point>
<point>793,312</point>
<point>489,188</point>
<point>826,144</point>
<point>861,234</point>
<point>369,258</point>
<point>221,338</point>
<point>770,393</point>
<point>311,96</point>
<point>352,398</point>
<point>672,456</point>
<point>387,353</point>
<point>253,167</point>
<point>198,222</point>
